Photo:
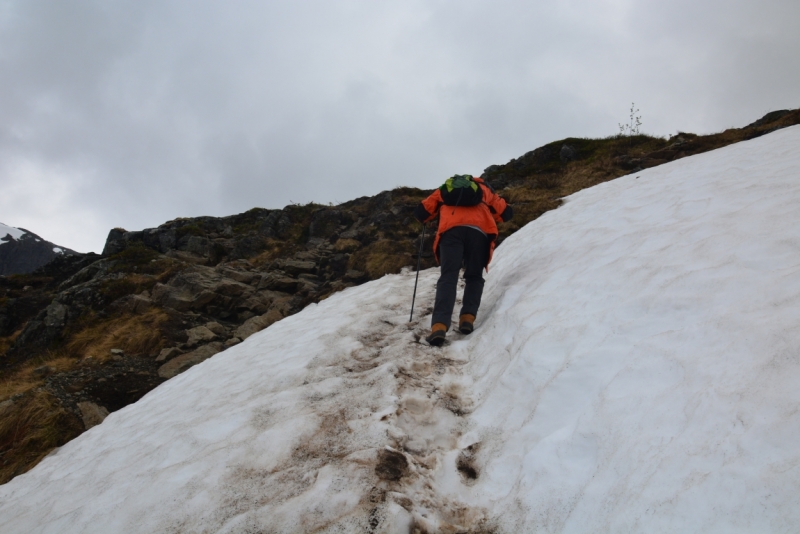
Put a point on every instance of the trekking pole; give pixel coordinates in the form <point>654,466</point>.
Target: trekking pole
<point>419,260</point>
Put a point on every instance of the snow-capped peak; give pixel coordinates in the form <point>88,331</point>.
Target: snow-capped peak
<point>22,251</point>
<point>6,231</point>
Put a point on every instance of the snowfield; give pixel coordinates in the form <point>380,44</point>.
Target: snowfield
<point>634,368</point>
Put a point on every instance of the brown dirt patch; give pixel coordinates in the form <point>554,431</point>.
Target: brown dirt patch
<point>391,465</point>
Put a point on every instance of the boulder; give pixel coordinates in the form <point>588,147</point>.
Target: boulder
<point>182,363</point>
<point>169,296</point>
<point>306,255</point>
<point>92,414</point>
<point>254,304</point>
<point>168,354</point>
<point>198,245</point>
<point>198,287</point>
<point>90,272</point>
<point>241,276</point>
<point>354,231</point>
<point>232,341</point>
<point>216,328</point>
<point>295,267</point>
<point>135,304</point>
<point>353,275</point>
<point>277,282</point>
<point>56,316</point>
<point>230,288</point>
<point>256,324</point>
<point>338,285</point>
<point>199,335</point>
<point>115,242</point>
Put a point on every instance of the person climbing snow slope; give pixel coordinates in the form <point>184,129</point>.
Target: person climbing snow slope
<point>468,210</point>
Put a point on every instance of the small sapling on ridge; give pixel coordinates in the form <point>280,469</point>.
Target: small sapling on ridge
<point>632,128</point>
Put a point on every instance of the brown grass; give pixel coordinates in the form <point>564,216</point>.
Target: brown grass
<point>382,257</point>
<point>6,342</point>
<point>274,249</point>
<point>29,429</point>
<point>522,194</point>
<point>534,194</point>
<point>23,379</point>
<point>409,196</point>
<point>129,285</point>
<point>528,204</point>
<point>35,423</point>
<point>346,245</point>
<point>135,334</point>
<point>578,177</point>
<point>548,181</point>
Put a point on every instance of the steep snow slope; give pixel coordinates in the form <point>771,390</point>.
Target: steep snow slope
<point>634,369</point>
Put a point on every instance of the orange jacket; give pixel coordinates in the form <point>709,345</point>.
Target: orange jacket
<point>485,215</point>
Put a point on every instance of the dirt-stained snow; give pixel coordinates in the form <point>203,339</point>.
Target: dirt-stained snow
<point>634,369</point>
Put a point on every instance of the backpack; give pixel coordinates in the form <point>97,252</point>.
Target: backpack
<point>461,190</point>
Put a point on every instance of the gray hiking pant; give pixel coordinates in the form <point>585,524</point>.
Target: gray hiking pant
<point>467,247</point>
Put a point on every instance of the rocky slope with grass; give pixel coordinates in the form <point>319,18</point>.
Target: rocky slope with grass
<point>88,334</point>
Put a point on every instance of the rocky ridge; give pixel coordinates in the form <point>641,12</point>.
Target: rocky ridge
<point>86,335</point>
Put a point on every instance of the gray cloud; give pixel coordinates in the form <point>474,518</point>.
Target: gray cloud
<point>122,113</point>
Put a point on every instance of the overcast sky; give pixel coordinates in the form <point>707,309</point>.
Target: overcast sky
<point>134,112</point>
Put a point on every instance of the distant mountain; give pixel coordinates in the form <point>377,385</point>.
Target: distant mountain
<point>22,251</point>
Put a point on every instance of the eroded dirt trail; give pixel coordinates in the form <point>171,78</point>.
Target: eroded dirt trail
<point>327,423</point>
<point>425,429</point>
<point>389,418</point>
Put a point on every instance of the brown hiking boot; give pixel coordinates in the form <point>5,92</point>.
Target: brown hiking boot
<point>437,334</point>
<point>465,323</point>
